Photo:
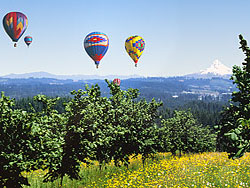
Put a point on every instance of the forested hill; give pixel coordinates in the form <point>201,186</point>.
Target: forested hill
<point>205,97</point>
<point>157,87</point>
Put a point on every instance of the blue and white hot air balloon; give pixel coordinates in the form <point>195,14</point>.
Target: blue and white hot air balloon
<point>96,45</point>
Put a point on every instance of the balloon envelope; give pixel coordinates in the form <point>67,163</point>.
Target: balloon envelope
<point>28,40</point>
<point>117,81</point>
<point>15,24</point>
<point>134,46</point>
<point>96,45</point>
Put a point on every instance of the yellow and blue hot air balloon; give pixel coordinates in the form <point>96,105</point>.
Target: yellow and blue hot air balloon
<point>96,45</point>
<point>15,24</point>
<point>135,45</point>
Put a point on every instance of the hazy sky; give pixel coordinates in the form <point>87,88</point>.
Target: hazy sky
<point>181,36</point>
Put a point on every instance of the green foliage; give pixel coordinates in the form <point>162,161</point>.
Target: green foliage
<point>102,129</point>
<point>15,144</point>
<point>206,113</point>
<point>29,141</point>
<point>135,125</point>
<point>49,128</point>
<point>186,135</point>
<point>233,130</point>
<point>78,138</point>
<point>28,104</point>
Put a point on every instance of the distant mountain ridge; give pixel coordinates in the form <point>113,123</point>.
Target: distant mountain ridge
<point>217,69</point>
<point>65,77</point>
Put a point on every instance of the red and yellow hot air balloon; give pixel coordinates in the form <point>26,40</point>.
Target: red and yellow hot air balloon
<point>15,24</point>
<point>135,45</point>
<point>117,81</point>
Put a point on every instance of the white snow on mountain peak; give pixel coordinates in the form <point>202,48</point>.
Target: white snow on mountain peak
<point>217,68</point>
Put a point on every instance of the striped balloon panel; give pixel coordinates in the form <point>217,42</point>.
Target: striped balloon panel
<point>15,24</point>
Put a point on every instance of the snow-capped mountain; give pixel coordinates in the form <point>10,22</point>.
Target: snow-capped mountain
<point>217,69</point>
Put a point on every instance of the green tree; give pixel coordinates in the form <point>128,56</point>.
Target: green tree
<point>135,126</point>
<point>16,144</point>
<point>29,141</point>
<point>234,129</point>
<point>49,129</point>
<point>77,144</point>
<point>186,135</point>
<point>102,129</point>
<point>88,132</point>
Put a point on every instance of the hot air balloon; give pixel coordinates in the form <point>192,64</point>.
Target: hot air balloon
<point>135,45</point>
<point>117,81</point>
<point>28,40</point>
<point>96,45</point>
<point>15,24</point>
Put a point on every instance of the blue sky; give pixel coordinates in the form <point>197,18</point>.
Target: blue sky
<point>181,36</point>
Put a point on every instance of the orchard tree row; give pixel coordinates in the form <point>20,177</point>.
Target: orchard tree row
<point>206,112</point>
<point>92,128</point>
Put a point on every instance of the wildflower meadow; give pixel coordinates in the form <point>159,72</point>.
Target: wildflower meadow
<point>191,170</point>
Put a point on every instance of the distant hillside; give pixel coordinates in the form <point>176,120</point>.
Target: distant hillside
<point>217,69</point>
<point>212,83</point>
<point>65,77</point>
<point>151,87</point>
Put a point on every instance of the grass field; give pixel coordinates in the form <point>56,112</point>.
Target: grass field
<point>196,170</point>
